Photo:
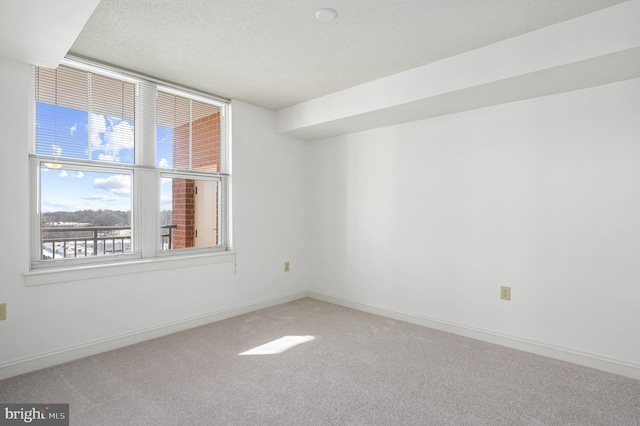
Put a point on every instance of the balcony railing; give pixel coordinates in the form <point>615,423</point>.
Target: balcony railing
<point>166,234</point>
<point>79,241</point>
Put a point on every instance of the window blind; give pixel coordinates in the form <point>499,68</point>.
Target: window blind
<point>87,112</point>
<point>197,130</point>
<point>84,115</point>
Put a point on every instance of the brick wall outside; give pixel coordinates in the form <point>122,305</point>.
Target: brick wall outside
<point>183,213</point>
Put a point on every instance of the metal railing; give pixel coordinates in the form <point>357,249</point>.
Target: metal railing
<point>69,242</point>
<point>166,236</point>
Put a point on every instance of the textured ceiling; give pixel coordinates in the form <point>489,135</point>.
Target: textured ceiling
<point>275,53</point>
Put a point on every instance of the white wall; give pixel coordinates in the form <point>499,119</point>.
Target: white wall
<point>431,217</point>
<point>269,184</point>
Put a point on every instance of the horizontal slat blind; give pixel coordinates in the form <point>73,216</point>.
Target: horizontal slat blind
<point>189,133</point>
<point>83,115</point>
<point>87,113</point>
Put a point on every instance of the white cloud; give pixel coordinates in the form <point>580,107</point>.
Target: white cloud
<point>164,163</point>
<point>110,135</point>
<point>116,184</point>
<point>64,174</point>
<point>52,207</point>
<point>166,203</point>
<point>107,157</point>
<point>120,136</point>
<point>56,150</point>
<point>99,198</point>
<point>98,128</point>
<point>72,130</point>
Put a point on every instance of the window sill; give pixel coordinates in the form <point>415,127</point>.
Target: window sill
<point>59,275</point>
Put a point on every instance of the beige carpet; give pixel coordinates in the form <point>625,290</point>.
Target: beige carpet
<point>346,368</point>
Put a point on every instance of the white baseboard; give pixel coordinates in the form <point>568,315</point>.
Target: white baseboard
<point>51,359</point>
<point>563,354</point>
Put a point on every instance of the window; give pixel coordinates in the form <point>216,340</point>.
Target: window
<point>124,168</point>
<point>188,138</point>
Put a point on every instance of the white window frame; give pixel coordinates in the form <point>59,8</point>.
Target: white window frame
<point>222,217</point>
<point>147,254</point>
<point>36,245</point>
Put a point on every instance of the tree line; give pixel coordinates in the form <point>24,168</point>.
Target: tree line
<point>96,217</point>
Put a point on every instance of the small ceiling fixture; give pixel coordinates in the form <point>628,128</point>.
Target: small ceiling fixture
<point>326,15</point>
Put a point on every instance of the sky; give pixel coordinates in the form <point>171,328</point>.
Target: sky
<point>71,133</point>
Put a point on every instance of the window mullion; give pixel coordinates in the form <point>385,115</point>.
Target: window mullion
<point>190,134</point>
<point>146,190</point>
<point>89,117</point>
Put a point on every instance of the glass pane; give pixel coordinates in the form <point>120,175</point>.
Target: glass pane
<point>61,131</point>
<point>205,145</point>
<point>172,120</point>
<point>84,213</point>
<point>112,139</point>
<point>189,213</point>
<point>188,134</point>
<point>85,116</point>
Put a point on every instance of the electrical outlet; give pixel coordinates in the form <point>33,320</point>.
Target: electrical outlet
<point>505,293</point>
<point>3,311</point>
<point>286,266</point>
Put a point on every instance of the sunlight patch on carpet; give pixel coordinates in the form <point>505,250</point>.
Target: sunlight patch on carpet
<point>278,346</point>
